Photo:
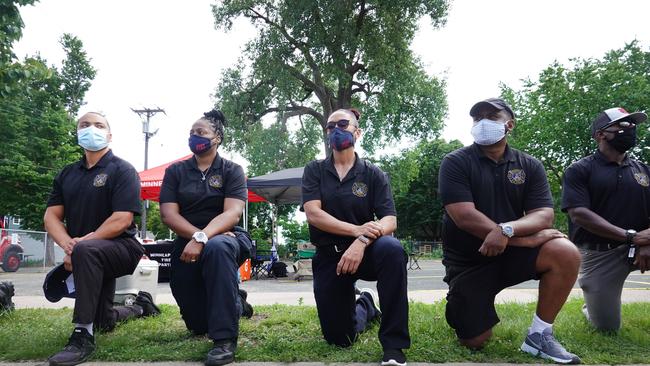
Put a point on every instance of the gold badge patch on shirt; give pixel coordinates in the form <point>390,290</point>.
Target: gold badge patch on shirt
<point>215,181</point>
<point>100,180</point>
<point>359,189</point>
<point>642,179</point>
<point>517,176</point>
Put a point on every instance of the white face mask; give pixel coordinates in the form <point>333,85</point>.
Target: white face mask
<point>488,132</point>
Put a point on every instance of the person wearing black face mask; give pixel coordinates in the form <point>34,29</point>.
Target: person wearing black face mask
<point>607,197</point>
<point>201,200</point>
<point>351,215</point>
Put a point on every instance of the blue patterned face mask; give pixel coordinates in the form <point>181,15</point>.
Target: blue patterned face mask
<point>341,139</point>
<point>92,138</point>
<point>199,144</point>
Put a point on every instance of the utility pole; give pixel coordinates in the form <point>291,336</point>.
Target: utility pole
<point>146,114</point>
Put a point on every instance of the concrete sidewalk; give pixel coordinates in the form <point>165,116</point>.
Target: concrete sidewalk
<point>307,298</point>
<point>281,364</point>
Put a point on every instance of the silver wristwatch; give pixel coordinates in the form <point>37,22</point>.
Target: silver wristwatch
<point>507,230</point>
<point>363,239</point>
<point>200,237</point>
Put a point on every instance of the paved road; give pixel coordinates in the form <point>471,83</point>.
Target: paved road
<point>424,285</point>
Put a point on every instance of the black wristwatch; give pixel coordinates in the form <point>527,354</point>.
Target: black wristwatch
<point>629,236</point>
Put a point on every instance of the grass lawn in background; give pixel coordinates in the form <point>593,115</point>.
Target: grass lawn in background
<point>291,333</point>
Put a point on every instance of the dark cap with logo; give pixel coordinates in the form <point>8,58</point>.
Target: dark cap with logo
<point>614,115</point>
<point>55,286</point>
<point>492,105</point>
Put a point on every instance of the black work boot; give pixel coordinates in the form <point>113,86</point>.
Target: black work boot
<point>80,346</point>
<point>145,301</point>
<point>222,353</point>
<point>247,309</point>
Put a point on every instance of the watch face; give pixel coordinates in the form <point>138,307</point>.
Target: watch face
<point>507,230</point>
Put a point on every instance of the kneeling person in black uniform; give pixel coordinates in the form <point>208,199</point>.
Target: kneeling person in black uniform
<point>497,233</point>
<point>343,196</point>
<point>202,199</point>
<point>90,215</point>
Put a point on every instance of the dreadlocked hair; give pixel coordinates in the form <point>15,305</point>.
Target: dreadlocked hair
<point>217,120</point>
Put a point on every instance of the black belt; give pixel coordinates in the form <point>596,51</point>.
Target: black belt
<point>333,248</point>
<point>602,247</point>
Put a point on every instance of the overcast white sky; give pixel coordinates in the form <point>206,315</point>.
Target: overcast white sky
<point>168,54</point>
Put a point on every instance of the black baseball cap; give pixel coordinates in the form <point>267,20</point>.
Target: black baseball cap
<point>492,104</point>
<point>54,286</point>
<point>614,115</point>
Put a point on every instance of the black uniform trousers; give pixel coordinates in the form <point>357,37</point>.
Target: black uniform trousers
<point>95,266</point>
<point>206,291</point>
<point>342,317</point>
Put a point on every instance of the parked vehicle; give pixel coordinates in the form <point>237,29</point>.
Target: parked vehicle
<point>11,252</point>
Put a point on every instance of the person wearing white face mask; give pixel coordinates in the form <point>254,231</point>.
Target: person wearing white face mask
<point>497,232</point>
<point>90,216</point>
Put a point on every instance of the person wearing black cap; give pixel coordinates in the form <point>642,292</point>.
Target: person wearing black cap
<point>497,232</point>
<point>607,197</point>
<point>90,215</point>
<point>351,215</point>
<point>202,199</point>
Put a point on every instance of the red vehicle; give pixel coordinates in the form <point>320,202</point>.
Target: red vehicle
<point>11,253</point>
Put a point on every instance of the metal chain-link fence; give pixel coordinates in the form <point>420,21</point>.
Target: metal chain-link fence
<point>28,248</point>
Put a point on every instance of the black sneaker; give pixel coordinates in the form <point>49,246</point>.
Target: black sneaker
<point>222,353</point>
<point>394,357</point>
<point>145,301</point>
<point>247,309</point>
<point>80,346</point>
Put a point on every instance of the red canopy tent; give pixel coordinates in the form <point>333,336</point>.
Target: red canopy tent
<point>151,180</point>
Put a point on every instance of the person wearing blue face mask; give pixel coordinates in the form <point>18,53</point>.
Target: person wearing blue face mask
<point>201,200</point>
<point>90,216</point>
<point>497,232</point>
<point>351,215</point>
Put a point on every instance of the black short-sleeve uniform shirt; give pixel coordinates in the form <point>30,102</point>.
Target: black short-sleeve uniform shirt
<point>363,195</point>
<point>503,191</point>
<point>90,196</point>
<point>618,193</point>
<point>200,197</point>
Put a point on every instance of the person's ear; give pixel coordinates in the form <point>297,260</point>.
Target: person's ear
<point>110,137</point>
<point>510,125</point>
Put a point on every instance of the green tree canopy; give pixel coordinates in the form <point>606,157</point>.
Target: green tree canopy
<point>38,132</point>
<point>414,180</point>
<point>554,112</point>
<point>313,57</point>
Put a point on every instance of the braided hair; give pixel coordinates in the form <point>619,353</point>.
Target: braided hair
<point>217,121</point>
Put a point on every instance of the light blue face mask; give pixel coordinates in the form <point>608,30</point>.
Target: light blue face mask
<point>92,138</point>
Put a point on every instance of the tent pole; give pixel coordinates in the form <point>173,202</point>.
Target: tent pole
<point>246,216</point>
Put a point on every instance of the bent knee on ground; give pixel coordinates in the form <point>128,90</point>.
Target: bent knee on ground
<point>477,342</point>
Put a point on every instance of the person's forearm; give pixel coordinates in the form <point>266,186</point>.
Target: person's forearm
<point>533,222</point>
<point>475,222</point>
<point>222,223</point>
<point>389,224</point>
<point>57,231</point>
<point>328,223</point>
<point>595,224</point>
<point>179,224</point>
<point>113,226</point>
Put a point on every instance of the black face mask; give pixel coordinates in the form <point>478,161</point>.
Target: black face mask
<point>623,141</point>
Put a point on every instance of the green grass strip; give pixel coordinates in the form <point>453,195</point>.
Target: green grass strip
<point>292,333</point>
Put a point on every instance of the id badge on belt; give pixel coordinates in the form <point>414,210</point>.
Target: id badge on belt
<point>631,253</point>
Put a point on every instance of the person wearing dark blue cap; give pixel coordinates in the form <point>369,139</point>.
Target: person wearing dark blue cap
<point>497,232</point>
<point>90,215</point>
